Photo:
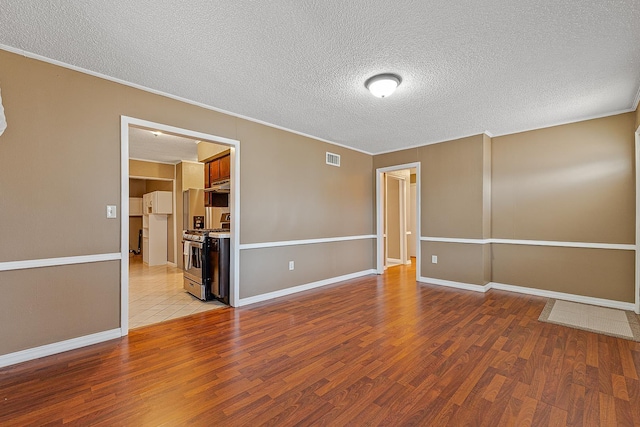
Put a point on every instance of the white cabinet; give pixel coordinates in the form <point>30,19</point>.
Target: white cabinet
<point>154,239</point>
<point>157,202</point>
<point>135,206</point>
<point>155,208</point>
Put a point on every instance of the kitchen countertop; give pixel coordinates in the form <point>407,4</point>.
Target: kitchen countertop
<point>220,235</point>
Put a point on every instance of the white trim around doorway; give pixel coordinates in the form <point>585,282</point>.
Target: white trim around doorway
<point>234,204</point>
<point>379,214</point>
<point>637,243</point>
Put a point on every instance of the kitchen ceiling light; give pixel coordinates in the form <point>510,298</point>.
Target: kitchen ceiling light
<point>383,85</point>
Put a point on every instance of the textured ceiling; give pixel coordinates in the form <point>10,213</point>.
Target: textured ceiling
<point>144,145</point>
<point>467,66</point>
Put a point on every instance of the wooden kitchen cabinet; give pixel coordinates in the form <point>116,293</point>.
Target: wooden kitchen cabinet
<point>214,171</point>
<point>217,170</point>
<point>225,167</point>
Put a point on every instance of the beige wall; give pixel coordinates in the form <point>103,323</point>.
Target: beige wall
<point>566,183</point>
<point>188,175</point>
<point>46,305</point>
<point>289,193</point>
<point>458,262</point>
<point>179,211</point>
<point>452,188</point>
<point>454,202</point>
<point>140,168</point>
<point>209,149</point>
<point>312,263</point>
<point>573,183</point>
<point>637,125</point>
<point>66,126</point>
<point>192,175</point>
<point>599,273</point>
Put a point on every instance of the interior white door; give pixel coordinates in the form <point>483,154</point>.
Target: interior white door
<point>394,224</point>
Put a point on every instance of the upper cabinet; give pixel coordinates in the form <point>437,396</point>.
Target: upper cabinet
<point>157,202</point>
<point>225,167</point>
<point>214,171</point>
<point>217,168</point>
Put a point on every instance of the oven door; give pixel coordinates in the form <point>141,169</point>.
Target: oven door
<point>193,253</point>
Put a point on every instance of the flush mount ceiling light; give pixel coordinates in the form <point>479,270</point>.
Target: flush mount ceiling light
<point>383,85</point>
<point>156,133</point>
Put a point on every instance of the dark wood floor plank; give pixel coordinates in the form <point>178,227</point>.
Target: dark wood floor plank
<point>377,350</point>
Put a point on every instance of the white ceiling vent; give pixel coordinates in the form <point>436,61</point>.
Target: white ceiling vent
<point>333,159</point>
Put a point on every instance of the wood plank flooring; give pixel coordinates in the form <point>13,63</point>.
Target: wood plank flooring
<point>379,350</point>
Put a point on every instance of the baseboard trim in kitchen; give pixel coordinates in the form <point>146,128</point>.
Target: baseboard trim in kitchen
<point>58,347</point>
<point>602,302</point>
<point>301,288</point>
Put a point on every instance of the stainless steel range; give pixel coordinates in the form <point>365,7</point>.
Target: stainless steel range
<point>206,263</point>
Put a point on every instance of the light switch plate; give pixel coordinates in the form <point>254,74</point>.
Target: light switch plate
<point>111,211</point>
<point>434,259</point>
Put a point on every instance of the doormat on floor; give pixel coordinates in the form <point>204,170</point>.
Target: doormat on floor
<point>607,321</point>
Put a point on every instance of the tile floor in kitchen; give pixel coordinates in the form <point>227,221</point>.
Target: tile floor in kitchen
<point>156,294</point>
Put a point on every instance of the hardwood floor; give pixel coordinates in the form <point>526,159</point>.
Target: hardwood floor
<point>379,350</point>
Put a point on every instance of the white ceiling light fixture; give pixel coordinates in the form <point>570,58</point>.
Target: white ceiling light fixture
<point>156,132</point>
<point>383,85</point>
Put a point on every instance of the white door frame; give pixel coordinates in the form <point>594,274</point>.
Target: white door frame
<point>380,206</point>
<point>234,204</point>
<point>637,276</point>
<point>402,216</point>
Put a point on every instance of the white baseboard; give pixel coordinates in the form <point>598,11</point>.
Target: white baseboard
<point>452,284</point>
<point>301,288</point>
<point>532,291</point>
<point>172,264</point>
<point>564,296</point>
<point>58,347</point>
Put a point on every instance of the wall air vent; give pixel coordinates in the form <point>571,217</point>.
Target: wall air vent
<point>333,159</point>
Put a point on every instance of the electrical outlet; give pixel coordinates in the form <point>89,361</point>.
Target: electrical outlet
<point>434,259</point>
<point>291,265</point>
<point>111,211</point>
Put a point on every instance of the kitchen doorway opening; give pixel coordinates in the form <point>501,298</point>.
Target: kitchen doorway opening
<point>156,291</point>
<point>398,216</point>
<point>168,271</point>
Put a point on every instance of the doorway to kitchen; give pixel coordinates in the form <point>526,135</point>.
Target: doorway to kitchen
<point>156,291</point>
<point>152,279</point>
<point>398,213</point>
